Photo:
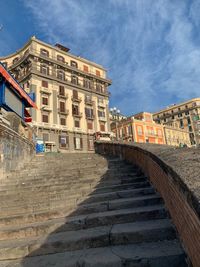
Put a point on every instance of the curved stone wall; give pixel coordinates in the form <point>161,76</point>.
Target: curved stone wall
<point>175,173</point>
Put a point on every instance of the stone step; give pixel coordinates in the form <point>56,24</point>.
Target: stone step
<point>38,229</point>
<point>128,233</point>
<point>93,198</point>
<point>117,216</point>
<point>48,204</point>
<point>117,204</point>
<point>51,191</point>
<point>166,253</point>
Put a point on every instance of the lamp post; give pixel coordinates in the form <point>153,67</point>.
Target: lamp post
<point>115,117</point>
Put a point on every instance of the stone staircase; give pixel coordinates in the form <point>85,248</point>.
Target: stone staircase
<point>83,210</point>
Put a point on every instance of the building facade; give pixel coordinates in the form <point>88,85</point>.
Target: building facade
<point>139,128</point>
<point>142,129</point>
<point>176,136</point>
<point>71,94</point>
<point>185,115</point>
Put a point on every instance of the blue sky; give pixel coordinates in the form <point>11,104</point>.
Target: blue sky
<point>151,48</point>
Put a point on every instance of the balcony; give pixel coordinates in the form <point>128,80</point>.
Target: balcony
<point>102,119</point>
<point>101,104</point>
<point>88,102</point>
<point>77,114</point>
<point>45,90</point>
<point>76,99</point>
<point>64,96</point>
<point>77,129</point>
<point>46,108</point>
<point>90,117</point>
<point>63,111</point>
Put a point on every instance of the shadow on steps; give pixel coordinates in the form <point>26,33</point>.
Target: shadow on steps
<point>122,222</point>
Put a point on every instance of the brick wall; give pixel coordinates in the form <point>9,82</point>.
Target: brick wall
<point>179,199</point>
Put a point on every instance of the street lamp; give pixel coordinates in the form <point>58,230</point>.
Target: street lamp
<point>115,117</point>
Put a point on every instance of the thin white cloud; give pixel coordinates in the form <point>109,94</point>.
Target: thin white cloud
<point>147,46</point>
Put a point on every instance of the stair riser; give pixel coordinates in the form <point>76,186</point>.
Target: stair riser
<point>100,240</point>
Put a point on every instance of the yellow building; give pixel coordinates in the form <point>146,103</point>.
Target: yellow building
<point>71,94</point>
<point>185,115</point>
<point>176,136</point>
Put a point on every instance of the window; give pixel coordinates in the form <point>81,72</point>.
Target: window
<point>45,137</point>
<point>181,123</point>
<point>61,75</point>
<point>129,130</point>
<point>187,113</point>
<point>61,90</point>
<point>44,69</point>
<point>90,143</point>
<point>45,118</point>
<point>180,115</point>
<point>62,106</point>
<point>89,113</point>
<point>173,117</point>
<point>15,60</point>
<point>64,141</point>
<point>60,58</point>
<point>101,114</point>
<point>100,100</point>
<point>190,128</point>
<point>86,83</point>
<point>45,100</point>
<point>75,94</point>
<point>75,110</point>
<point>98,73</point>
<point>89,125</point>
<point>44,52</point>
<point>74,64</point>
<point>85,68</point>
<point>78,143</point>
<point>188,120</point>
<point>74,79</point>
<point>45,84</point>
<point>102,127</point>
<point>99,87</point>
<point>62,121</point>
<point>88,98</point>
<point>77,123</point>
<point>139,130</point>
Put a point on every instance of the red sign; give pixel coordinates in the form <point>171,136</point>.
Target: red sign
<point>16,86</point>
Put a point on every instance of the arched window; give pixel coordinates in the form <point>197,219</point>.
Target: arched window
<point>60,58</point>
<point>15,60</point>
<point>44,52</point>
<point>74,64</point>
<point>61,75</point>
<point>74,79</point>
<point>44,69</point>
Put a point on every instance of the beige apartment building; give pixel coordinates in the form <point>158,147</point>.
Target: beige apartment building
<point>71,94</point>
<point>185,115</point>
<point>175,136</point>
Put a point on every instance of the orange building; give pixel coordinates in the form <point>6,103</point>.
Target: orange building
<point>139,128</point>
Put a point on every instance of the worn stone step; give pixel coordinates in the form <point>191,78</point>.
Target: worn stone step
<point>166,253</point>
<point>38,229</point>
<point>119,194</point>
<point>127,233</point>
<point>118,204</point>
